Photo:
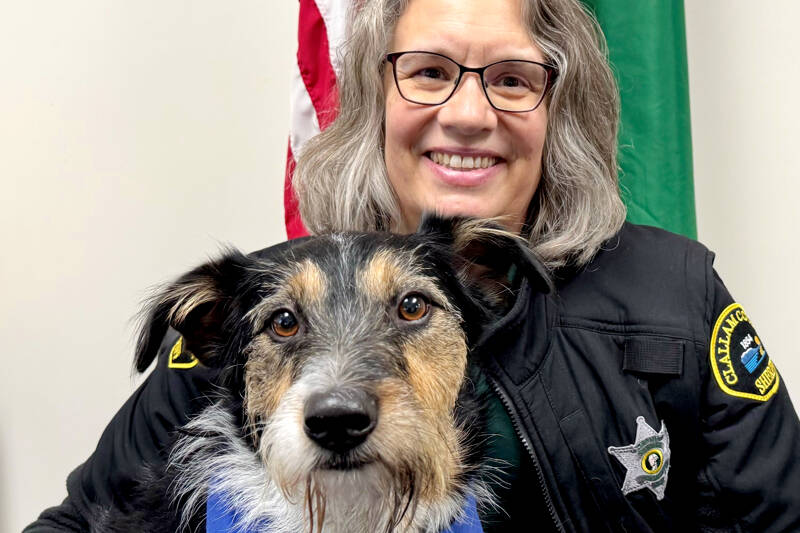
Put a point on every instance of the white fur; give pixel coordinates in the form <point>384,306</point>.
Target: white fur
<point>212,452</point>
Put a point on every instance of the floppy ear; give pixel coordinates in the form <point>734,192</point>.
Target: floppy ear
<point>197,305</point>
<point>487,256</point>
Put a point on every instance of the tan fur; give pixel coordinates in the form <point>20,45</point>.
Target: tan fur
<point>387,275</point>
<point>477,234</point>
<point>435,456</point>
<point>436,363</point>
<point>471,231</point>
<point>267,378</point>
<point>189,296</point>
<point>384,275</point>
<point>307,285</point>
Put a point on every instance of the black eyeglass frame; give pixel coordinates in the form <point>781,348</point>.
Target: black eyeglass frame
<point>550,70</point>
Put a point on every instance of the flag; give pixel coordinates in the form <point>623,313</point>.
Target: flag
<point>647,48</point>
<point>320,32</point>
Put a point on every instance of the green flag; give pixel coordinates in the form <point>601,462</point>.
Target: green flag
<point>647,49</point>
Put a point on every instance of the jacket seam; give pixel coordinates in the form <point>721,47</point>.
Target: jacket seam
<point>703,345</point>
<point>578,466</point>
<point>709,285</point>
<point>704,360</point>
<point>714,483</point>
<point>687,292</point>
<point>623,330</point>
<point>552,325</point>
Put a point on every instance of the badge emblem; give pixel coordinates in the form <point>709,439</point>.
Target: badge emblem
<point>180,358</point>
<point>646,461</point>
<point>739,360</point>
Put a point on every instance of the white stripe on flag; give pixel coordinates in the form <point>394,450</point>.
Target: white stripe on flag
<point>334,13</point>
<point>304,124</point>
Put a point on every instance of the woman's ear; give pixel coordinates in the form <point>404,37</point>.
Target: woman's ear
<point>486,255</point>
<point>197,305</point>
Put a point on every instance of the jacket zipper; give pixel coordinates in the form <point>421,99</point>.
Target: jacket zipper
<point>529,448</point>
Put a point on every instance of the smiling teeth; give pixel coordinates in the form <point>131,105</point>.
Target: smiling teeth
<point>458,162</point>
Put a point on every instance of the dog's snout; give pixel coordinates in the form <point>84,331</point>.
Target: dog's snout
<point>340,419</point>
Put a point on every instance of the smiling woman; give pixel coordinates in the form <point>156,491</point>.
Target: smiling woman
<point>563,150</point>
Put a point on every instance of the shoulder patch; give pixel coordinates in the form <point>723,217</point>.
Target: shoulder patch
<point>739,359</point>
<point>180,358</point>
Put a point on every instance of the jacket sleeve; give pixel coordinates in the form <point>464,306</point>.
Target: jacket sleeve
<point>138,435</point>
<point>751,477</point>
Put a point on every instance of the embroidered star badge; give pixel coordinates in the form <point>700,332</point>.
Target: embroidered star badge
<point>646,460</point>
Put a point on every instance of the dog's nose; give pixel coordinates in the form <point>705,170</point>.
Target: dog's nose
<point>340,419</point>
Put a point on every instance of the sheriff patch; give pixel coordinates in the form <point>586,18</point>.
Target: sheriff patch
<point>180,358</point>
<point>739,359</point>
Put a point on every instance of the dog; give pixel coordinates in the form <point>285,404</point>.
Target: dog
<point>346,402</point>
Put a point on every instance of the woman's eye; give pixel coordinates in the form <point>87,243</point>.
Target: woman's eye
<point>510,82</point>
<point>413,307</point>
<point>431,73</point>
<point>284,323</point>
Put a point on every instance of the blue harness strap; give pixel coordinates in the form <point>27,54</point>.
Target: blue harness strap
<point>221,518</point>
<point>470,523</point>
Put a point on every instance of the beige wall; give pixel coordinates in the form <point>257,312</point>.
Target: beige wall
<point>137,137</point>
<point>743,77</point>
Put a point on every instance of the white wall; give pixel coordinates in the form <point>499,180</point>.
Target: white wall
<point>136,137</point>
<point>743,78</point>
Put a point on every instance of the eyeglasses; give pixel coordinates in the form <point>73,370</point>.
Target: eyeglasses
<point>513,85</point>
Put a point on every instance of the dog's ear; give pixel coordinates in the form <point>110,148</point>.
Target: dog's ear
<point>487,256</point>
<point>197,305</point>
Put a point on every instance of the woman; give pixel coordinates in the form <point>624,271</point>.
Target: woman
<point>637,397</point>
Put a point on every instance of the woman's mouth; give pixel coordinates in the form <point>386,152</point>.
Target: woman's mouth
<point>461,162</point>
<point>462,170</point>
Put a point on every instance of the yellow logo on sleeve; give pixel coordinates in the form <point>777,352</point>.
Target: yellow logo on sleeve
<point>180,358</point>
<point>739,359</point>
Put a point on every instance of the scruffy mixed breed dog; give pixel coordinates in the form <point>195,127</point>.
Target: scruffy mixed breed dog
<point>345,403</point>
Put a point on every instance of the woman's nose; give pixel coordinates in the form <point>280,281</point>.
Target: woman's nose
<point>468,111</point>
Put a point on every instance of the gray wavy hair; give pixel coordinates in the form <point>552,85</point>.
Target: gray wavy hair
<point>341,180</point>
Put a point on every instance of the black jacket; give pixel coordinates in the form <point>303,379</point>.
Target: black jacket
<point>646,338</point>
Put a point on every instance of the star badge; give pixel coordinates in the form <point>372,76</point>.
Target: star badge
<point>646,460</point>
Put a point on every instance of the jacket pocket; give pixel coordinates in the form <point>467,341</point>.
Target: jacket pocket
<point>592,462</point>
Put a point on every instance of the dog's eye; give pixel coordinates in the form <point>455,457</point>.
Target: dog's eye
<point>284,323</point>
<point>413,307</point>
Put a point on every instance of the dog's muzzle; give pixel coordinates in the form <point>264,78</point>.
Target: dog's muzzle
<point>340,419</point>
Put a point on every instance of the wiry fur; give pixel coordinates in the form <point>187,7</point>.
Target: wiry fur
<point>212,451</point>
<point>423,456</point>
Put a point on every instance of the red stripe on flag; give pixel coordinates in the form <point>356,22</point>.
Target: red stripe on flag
<point>291,212</point>
<point>319,78</point>
<point>313,58</point>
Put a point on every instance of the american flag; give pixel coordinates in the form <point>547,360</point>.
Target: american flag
<point>320,32</point>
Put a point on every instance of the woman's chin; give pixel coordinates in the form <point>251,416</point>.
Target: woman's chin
<point>462,211</point>
<point>471,209</point>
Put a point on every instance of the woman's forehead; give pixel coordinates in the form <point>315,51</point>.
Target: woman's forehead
<point>466,30</point>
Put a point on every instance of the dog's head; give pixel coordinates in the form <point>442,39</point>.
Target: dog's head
<point>350,352</point>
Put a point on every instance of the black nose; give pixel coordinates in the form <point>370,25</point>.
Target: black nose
<point>340,419</point>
